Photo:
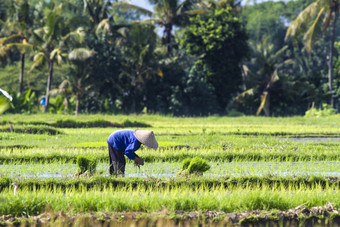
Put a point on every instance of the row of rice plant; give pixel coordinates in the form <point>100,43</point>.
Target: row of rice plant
<point>100,183</point>
<point>250,152</point>
<point>27,202</point>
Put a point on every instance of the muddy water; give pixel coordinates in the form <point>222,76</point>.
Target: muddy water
<point>328,169</point>
<point>315,139</point>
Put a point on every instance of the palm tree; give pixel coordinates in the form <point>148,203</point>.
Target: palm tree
<point>170,13</point>
<point>139,66</point>
<point>17,30</point>
<point>77,82</point>
<point>264,72</point>
<point>51,39</point>
<point>318,13</point>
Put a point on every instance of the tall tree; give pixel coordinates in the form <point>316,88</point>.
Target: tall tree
<point>77,81</point>
<point>220,41</point>
<point>50,40</point>
<point>138,65</point>
<point>170,13</point>
<point>18,29</point>
<point>319,15</point>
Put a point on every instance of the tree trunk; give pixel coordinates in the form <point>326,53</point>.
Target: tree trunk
<point>22,68</point>
<point>49,81</point>
<point>168,29</point>
<point>266,108</point>
<point>330,61</point>
<point>77,104</point>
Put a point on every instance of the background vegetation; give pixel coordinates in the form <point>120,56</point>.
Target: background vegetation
<point>182,58</point>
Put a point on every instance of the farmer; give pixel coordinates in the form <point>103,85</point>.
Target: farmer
<point>126,142</point>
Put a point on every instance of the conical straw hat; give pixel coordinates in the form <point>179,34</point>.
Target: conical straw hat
<point>147,138</point>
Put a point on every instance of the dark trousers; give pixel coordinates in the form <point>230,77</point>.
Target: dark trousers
<point>117,161</point>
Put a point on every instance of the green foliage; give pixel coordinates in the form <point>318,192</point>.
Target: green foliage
<point>186,163</point>
<point>220,41</point>
<point>4,104</point>
<point>30,129</point>
<point>195,166</point>
<point>198,166</point>
<point>264,21</point>
<point>83,163</point>
<point>23,102</point>
<point>325,111</point>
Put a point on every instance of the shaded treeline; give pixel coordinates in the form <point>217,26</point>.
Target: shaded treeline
<point>187,57</point>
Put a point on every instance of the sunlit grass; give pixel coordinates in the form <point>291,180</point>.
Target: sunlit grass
<point>144,200</point>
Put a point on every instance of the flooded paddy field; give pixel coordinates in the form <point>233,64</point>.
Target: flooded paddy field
<point>279,171</point>
<point>163,170</point>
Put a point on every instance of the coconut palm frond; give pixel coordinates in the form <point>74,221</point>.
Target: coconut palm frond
<point>278,53</point>
<point>10,39</point>
<point>127,6</point>
<point>54,92</point>
<point>38,60</point>
<point>64,84</point>
<point>80,54</point>
<point>78,35</point>
<point>103,27</point>
<point>304,18</point>
<point>243,94</point>
<point>23,48</point>
<point>263,102</point>
<point>55,54</point>
<point>314,31</point>
<point>195,12</point>
<point>289,62</point>
<point>123,32</point>
<point>185,6</point>
<point>274,77</point>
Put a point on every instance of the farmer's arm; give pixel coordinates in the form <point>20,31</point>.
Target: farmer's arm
<point>130,153</point>
<point>138,160</point>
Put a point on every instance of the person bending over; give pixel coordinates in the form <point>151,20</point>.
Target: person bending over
<point>126,142</point>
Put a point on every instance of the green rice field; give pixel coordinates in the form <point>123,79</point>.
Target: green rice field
<point>263,171</point>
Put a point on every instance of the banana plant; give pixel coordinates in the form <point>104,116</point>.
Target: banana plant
<point>5,100</point>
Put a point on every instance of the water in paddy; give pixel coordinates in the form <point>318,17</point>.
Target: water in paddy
<point>331,169</point>
<point>315,139</point>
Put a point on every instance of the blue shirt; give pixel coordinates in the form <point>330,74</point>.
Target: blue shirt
<point>124,140</point>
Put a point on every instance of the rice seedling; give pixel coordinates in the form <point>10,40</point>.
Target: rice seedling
<point>86,165</point>
<point>195,166</point>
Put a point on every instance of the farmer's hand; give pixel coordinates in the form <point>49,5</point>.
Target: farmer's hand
<point>138,161</point>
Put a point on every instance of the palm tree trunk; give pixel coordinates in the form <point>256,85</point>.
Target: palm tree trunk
<point>22,67</point>
<point>77,104</point>
<point>330,61</point>
<point>168,29</point>
<point>49,81</point>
